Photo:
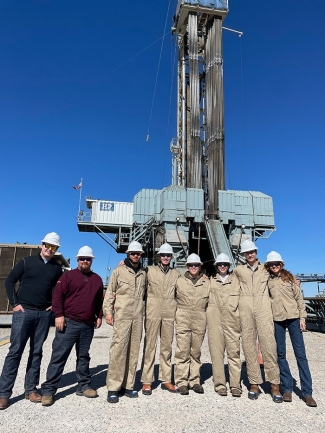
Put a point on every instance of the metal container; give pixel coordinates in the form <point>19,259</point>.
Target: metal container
<point>112,213</point>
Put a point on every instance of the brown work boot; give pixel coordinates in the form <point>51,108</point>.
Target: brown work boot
<point>254,392</point>
<point>235,392</point>
<point>146,389</point>
<point>222,392</point>
<point>168,386</point>
<point>276,394</point>
<point>310,401</point>
<point>287,397</point>
<point>183,390</point>
<point>89,393</point>
<point>198,388</point>
<point>3,403</point>
<point>34,397</point>
<point>47,400</point>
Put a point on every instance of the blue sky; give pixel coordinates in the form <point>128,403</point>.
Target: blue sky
<point>76,90</point>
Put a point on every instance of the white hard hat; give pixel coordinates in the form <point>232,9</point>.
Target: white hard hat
<point>193,258</point>
<point>52,238</point>
<point>273,256</point>
<point>166,248</point>
<point>247,245</point>
<point>135,246</point>
<point>85,252</point>
<point>222,258</point>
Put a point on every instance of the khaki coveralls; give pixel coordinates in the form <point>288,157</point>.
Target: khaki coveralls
<point>224,330</point>
<point>160,318</point>
<point>256,319</point>
<point>124,294</point>
<point>192,301</point>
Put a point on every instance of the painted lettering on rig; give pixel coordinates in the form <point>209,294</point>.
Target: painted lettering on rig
<point>107,206</point>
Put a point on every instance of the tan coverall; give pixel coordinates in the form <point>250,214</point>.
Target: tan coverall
<point>192,301</point>
<point>124,294</point>
<point>286,300</point>
<point>160,318</point>
<point>256,319</point>
<point>224,330</point>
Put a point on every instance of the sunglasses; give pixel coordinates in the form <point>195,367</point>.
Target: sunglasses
<point>134,253</point>
<point>51,247</point>
<point>84,259</point>
<point>165,255</point>
<point>223,264</point>
<point>273,264</point>
<point>193,265</point>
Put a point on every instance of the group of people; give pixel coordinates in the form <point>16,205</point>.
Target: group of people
<point>253,302</point>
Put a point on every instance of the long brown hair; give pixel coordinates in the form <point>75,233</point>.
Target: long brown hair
<point>285,275</point>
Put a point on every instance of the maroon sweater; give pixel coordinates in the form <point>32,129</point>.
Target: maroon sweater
<point>78,296</point>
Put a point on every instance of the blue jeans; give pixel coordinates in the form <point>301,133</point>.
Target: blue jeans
<point>74,333</point>
<point>33,325</point>
<point>298,345</point>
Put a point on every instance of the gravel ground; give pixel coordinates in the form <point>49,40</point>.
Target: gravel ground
<point>163,411</point>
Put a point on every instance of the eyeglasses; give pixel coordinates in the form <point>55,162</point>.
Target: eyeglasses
<point>134,253</point>
<point>51,247</point>
<point>223,264</point>
<point>84,259</point>
<point>274,264</point>
<point>165,255</point>
<point>193,265</point>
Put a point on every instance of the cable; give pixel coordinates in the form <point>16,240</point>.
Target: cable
<point>82,91</point>
<point>158,68</point>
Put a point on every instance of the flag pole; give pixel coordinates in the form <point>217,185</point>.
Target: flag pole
<point>80,197</point>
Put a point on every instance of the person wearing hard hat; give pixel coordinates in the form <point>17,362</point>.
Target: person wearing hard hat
<point>224,327</point>
<point>77,307</point>
<point>159,320</point>
<point>289,312</point>
<point>257,321</point>
<point>123,308</point>
<point>31,319</point>
<point>192,296</point>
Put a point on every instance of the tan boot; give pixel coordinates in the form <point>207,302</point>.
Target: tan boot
<point>276,394</point>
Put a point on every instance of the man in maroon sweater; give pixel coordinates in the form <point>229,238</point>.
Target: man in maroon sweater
<point>77,306</point>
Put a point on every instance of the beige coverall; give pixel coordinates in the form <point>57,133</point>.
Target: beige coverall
<point>192,301</point>
<point>160,318</point>
<point>256,319</point>
<point>224,330</point>
<point>124,294</point>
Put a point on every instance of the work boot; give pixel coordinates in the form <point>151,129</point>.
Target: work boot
<point>112,397</point>
<point>222,392</point>
<point>47,400</point>
<point>3,403</point>
<point>131,393</point>
<point>168,386</point>
<point>287,397</point>
<point>146,389</point>
<point>183,390</point>
<point>89,393</point>
<point>235,392</point>
<point>34,397</point>
<point>276,394</point>
<point>310,401</point>
<point>254,392</point>
<point>198,388</point>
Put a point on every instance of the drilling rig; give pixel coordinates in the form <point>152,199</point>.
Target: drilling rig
<point>196,213</point>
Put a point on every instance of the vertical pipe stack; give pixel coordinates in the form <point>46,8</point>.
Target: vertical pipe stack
<point>215,111</point>
<point>193,165</point>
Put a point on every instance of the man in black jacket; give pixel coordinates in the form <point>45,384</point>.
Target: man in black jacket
<point>32,305</point>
